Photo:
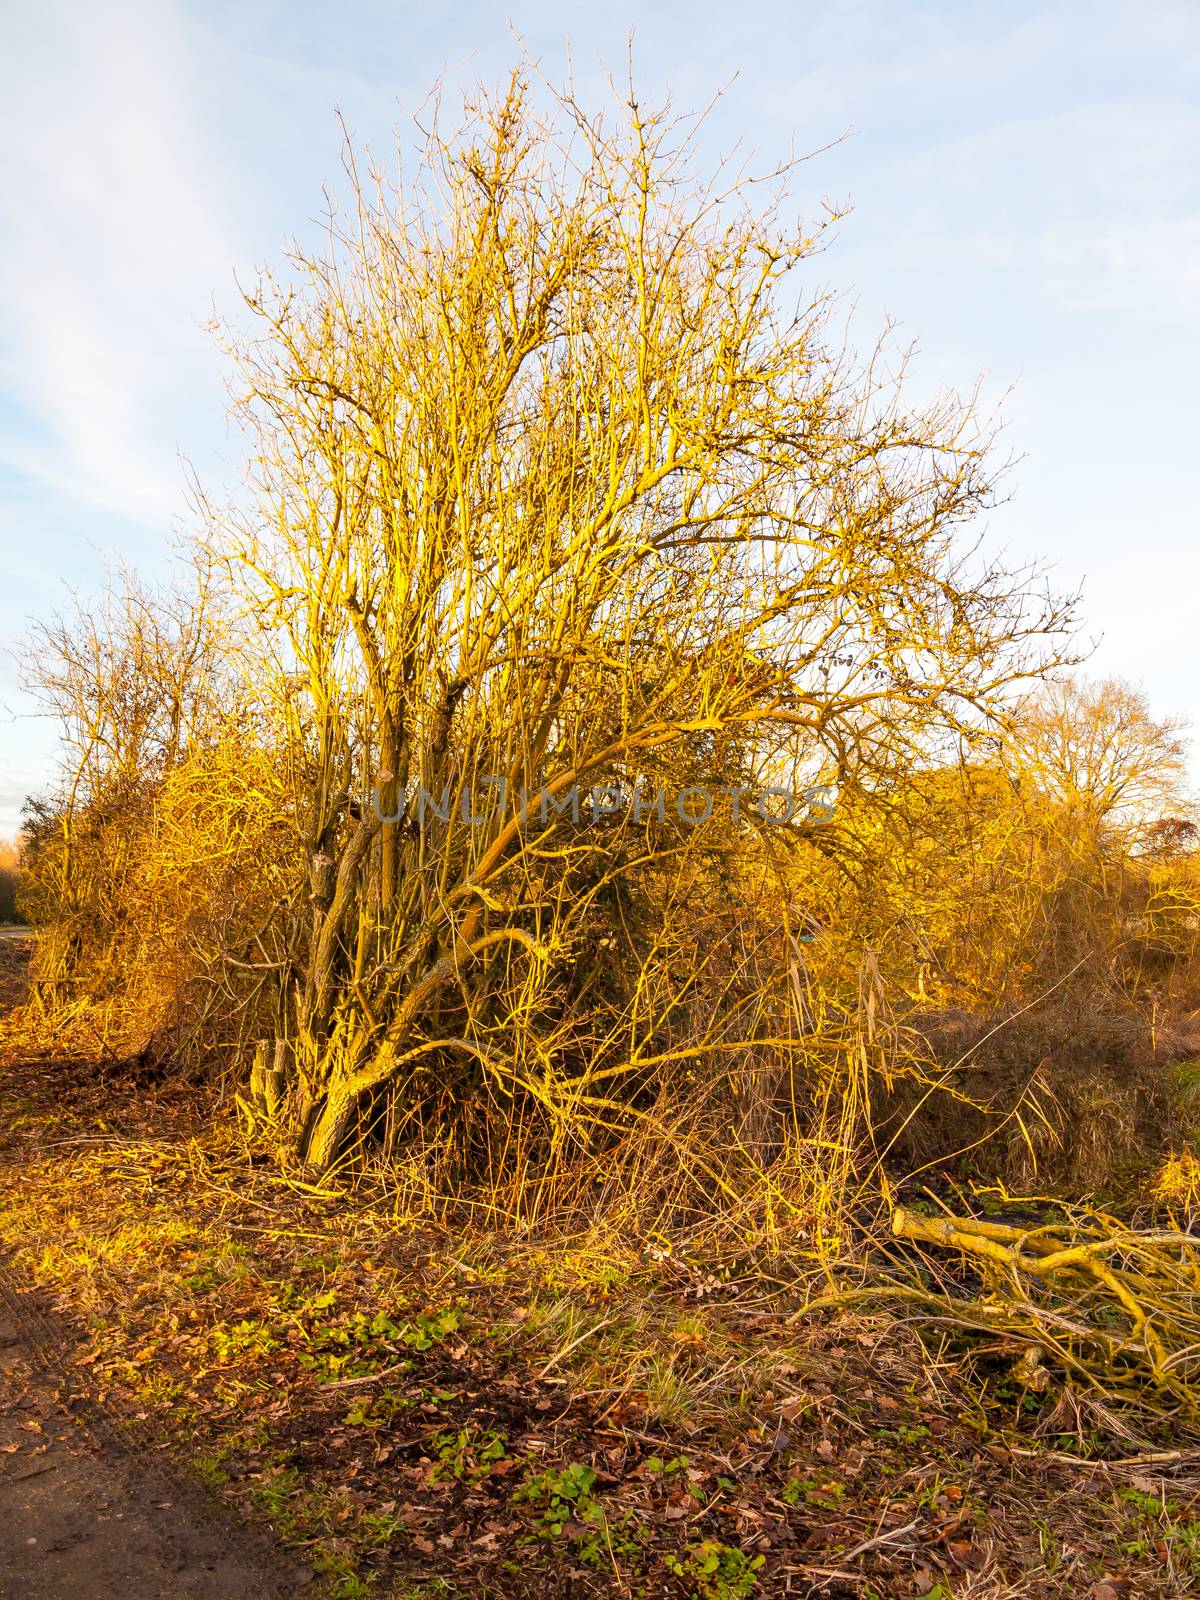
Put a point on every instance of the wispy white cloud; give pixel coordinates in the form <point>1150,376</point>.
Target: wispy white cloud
<point>115,237</point>
<point>1094,207</point>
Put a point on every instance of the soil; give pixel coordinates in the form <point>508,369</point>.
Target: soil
<point>81,1520</point>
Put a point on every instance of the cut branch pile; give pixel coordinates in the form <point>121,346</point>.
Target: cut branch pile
<point>1116,1307</point>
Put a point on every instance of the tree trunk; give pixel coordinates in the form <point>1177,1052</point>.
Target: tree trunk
<point>325,1136</point>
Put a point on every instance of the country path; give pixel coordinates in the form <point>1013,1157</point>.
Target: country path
<point>80,1519</point>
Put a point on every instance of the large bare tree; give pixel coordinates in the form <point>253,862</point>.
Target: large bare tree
<point>560,482</point>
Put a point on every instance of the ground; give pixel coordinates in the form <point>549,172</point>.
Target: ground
<point>80,1519</point>
<point>413,1410</point>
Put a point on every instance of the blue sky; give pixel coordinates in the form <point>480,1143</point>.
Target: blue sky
<point>1025,183</point>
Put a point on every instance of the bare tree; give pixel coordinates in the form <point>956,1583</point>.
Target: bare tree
<point>558,483</point>
<point>1096,750</point>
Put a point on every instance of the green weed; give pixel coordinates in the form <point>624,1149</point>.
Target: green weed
<point>467,1454</point>
<point>716,1571</point>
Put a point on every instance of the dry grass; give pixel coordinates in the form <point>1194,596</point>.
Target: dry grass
<point>210,1291</point>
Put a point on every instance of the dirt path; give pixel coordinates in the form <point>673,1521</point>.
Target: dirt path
<point>81,1520</point>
